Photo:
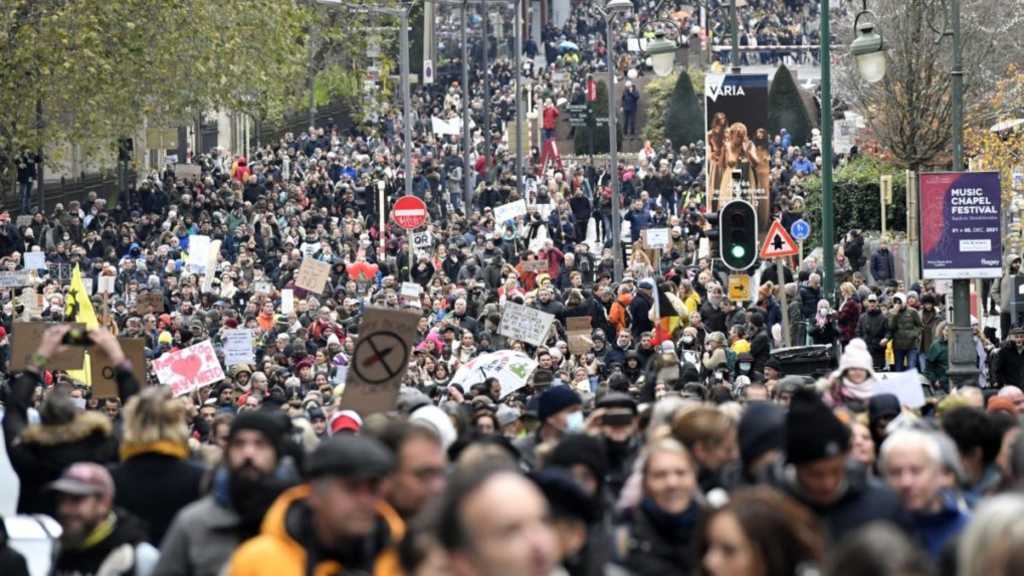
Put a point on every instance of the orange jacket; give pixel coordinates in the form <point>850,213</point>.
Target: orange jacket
<point>617,315</point>
<point>275,553</point>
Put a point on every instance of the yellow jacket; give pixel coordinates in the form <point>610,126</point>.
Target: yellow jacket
<point>276,553</point>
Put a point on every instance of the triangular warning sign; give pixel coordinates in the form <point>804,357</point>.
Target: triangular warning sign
<point>778,243</point>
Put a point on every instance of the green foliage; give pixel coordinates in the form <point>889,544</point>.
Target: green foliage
<point>786,108</point>
<point>856,199</point>
<point>684,119</point>
<point>599,109</point>
<point>100,69</point>
<point>658,98</point>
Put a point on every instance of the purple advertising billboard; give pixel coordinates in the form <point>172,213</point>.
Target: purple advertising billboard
<point>961,235</point>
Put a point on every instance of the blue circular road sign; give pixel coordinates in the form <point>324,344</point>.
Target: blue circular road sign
<point>800,230</point>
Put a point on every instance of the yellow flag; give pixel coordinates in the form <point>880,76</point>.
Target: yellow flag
<point>79,309</point>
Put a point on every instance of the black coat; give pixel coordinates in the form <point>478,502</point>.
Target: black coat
<point>647,545</point>
<point>40,453</point>
<point>155,487</point>
<point>639,309</point>
<point>866,500</point>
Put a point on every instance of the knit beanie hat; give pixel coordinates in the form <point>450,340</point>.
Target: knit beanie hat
<point>261,421</point>
<point>762,428</point>
<point>582,449</point>
<point>813,432</point>
<point>556,399</point>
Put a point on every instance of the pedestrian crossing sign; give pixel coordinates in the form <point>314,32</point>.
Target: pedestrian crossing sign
<point>778,243</point>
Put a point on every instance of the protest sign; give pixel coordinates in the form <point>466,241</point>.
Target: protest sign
<point>198,253</point>
<point>535,266</point>
<point>509,211</point>
<point>577,331</point>
<point>422,240</point>
<point>23,220</point>
<point>106,284</point>
<point>904,385</point>
<point>656,238</point>
<point>149,303</point>
<point>102,369</point>
<point>238,347</point>
<point>379,360</point>
<point>15,279</point>
<point>313,275</point>
<point>186,171</point>
<point>287,301</point>
<point>34,260</point>
<point>263,287</point>
<point>189,369</point>
<point>519,322</point>
<point>25,339</point>
<point>411,290</point>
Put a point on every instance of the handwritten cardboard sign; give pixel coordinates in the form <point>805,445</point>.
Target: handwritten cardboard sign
<point>313,275</point>
<point>526,324</point>
<point>25,339</point>
<point>238,347</point>
<point>189,369</point>
<point>577,331</point>
<point>102,369</point>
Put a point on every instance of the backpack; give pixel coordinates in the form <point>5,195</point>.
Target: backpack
<point>730,360</point>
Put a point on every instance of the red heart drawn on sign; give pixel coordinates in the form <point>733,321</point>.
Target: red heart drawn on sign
<point>188,367</point>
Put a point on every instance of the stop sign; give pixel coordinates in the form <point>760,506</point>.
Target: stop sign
<point>409,212</point>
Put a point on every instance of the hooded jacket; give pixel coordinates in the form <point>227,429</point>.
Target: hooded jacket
<point>1003,290</point>
<point>286,545</point>
<point>40,452</point>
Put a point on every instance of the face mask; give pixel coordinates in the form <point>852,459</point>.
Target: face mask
<point>79,403</point>
<point>744,367</point>
<point>687,339</point>
<point>574,422</point>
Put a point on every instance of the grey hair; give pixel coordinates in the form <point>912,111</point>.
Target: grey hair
<point>910,438</point>
<point>996,530</point>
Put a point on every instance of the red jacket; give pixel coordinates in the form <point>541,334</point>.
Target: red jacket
<point>550,117</point>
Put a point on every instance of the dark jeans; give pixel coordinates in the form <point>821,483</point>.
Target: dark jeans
<point>25,191</point>
<point>904,359</point>
<point>629,123</point>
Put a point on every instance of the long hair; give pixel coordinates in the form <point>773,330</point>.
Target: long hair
<point>153,416</point>
<point>785,535</point>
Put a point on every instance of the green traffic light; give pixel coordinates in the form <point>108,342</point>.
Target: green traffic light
<point>738,251</point>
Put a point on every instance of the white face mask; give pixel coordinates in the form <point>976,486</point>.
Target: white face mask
<point>574,422</point>
<point>79,403</point>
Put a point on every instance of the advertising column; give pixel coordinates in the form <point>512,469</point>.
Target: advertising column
<point>737,141</point>
<point>960,225</point>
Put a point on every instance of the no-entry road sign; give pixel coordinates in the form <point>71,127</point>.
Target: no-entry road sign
<point>409,212</point>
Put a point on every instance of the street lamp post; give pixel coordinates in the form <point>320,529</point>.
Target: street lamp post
<point>828,233</point>
<point>467,144</point>
<point>963,359</point>
<point>608,12</point>
<point>517,59</point>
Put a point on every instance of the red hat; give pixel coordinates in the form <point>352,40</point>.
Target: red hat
<point>346,421</point>
<point>3,332</point>
<point>231,323</point>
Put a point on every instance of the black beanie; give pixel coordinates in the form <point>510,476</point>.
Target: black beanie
<point>556,399</point>
<point>761,429</point>
<point>261,421</point>
<point>582,449</point>
<point>812,431</point>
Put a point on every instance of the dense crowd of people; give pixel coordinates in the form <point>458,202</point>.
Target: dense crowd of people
<point>682,437</point>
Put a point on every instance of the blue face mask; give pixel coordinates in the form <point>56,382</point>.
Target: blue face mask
<point>574,422</point>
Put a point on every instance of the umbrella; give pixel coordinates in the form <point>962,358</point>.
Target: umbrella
<point>567,46</point>
<point>512,369</point>
<point>1007,125</point>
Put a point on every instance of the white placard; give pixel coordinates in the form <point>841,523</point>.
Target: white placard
<point>904,385</point>
<point>509,211</point>
<point>189,369</point>
<point>238,347</point>
<point>657,238</point>
<point>526,324</point>
<point>287,301</point>
<point>106,284</point>
<point>411,290</point>
<point>89,284</point>
<point>15,279</point>
<point>422,240</point>
<point>34,260</point>
<point>198,253</point>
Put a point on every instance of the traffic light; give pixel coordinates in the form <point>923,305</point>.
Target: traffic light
<point>737,235</point>
<point>711,233</point>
